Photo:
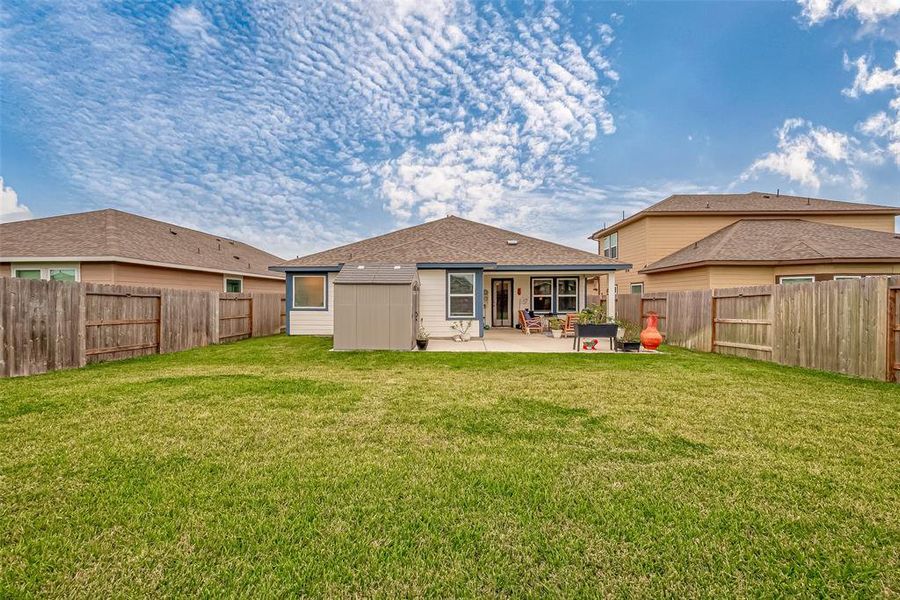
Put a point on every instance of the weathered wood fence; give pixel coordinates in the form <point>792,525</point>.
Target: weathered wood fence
<point>51,325</point>
<point>849,326</point>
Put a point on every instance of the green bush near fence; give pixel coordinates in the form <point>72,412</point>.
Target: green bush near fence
<point>273,467</point>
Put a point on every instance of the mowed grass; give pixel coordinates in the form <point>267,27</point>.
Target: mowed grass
<point>273,467</point>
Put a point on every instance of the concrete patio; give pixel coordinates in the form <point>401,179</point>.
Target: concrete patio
<point>509,340</point>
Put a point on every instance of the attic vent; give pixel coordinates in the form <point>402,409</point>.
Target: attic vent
<point>361,267</point>
<point>707,204</point>
<point>512,242</point>
<point>397,267</point>
<point>766,196</point>
<point>173,232</point>
<point>236,257</point>
<point>696,244</point>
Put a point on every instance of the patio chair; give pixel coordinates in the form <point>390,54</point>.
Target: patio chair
<point>529,325</point>
<point>571,320</point>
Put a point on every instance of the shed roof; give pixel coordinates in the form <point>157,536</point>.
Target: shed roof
<point>386,274</point>
<point>453,240</point>
<point>115,235</point>
<point>776,241</point>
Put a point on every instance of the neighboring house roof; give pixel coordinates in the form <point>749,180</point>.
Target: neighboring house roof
<point>781,241</point>
<point>376,274</point>
<point>750,204</point>
<point>114,235</point>
<point>453,240</point>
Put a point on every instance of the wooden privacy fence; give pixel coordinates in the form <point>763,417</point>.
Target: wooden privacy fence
<point>51,325</point>
<point>849,326</point>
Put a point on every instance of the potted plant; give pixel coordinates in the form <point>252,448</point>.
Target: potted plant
<point>421,337</point>
<point>556,327</point>
<point>629,336</point>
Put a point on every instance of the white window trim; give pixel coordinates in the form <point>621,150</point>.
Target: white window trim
<point>451,295</point>
<point>294,304</point>
<point>632,286</point>
<point>845,277</point>
<point>797,278</point>
<point>610,249</point>
<point>575,295</point>
<point>225,279</point>
<point>45,269</point>
<point>533,295</point>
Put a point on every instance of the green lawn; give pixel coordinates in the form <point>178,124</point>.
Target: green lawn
<point>273,467</point>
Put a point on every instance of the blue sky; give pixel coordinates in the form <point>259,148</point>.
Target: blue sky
<point>297,127</point>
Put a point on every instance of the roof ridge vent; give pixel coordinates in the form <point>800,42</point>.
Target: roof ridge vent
<point>360,267</point>
<point>172,231</point>
<point>512,242</point>
<point>707,204</point>
<point>397,267</point>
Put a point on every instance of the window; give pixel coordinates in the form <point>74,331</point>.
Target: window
<point>47,272</point>
<point>309,292</point>
<point>461,295</point>
<point>62,274</point>
<point>567,294</point>
<point>843,277</point>
<point>542,295</point>
<point>235,285</point>
<point>637,288</point>
<point>796,279</point>
<point>611,246</point>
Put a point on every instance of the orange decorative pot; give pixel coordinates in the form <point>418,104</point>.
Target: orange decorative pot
<point>651,338</point>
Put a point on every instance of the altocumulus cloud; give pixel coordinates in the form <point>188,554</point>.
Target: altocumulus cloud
<point>294,126</point>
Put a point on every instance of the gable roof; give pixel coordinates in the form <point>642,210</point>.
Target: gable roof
<point>453,240</point>
<point>115,235</point>
<point>777,241</point>
<point>751,204</point>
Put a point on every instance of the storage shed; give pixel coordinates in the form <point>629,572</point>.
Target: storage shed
<point>376,307</point>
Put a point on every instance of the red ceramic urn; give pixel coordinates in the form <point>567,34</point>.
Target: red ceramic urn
<point>651,338</point>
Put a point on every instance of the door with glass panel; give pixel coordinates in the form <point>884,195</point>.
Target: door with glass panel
<point>501,312</point>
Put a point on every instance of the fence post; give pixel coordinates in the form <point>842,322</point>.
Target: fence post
<point>713,315</point>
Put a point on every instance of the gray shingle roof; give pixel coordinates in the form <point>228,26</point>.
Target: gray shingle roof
<point>764,241</point>
<point>452,240</point>
<point>376,274</point>
<point>751,204</point>
<point>113,233</point>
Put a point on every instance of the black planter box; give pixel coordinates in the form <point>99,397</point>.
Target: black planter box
<point>604,330</point>
<point>421,344</point>
<point>629,346</point>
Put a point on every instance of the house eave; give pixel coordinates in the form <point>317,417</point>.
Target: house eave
<point>136,261</point>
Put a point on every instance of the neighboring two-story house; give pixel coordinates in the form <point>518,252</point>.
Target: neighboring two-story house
<point>723,240</point>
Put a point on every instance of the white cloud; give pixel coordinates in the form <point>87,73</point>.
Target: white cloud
<point>10,209</point>
<point>810,155</point>
<point>885,124</point>
<point>192,25</point>
<point>866,11</point>
<point>303,115</point>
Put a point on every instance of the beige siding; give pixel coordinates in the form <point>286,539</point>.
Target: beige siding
<point>647,240</point>
<point>315,322</point>
<point>685,279</point>
<point>838,269</point>
<point>98,272</point>
<point>433,304</point>
<point>260,284</point>
<point>737,276</point>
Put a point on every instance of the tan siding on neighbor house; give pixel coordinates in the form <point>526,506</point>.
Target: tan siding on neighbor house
<point>675,281</point>
<point>726,276</point>
<point>259,284</point>
<point>830,270</point>
<point>647,240</point>
<point>129,274</point>
<point>98,272</point>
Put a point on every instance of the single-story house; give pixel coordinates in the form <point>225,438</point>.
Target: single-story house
<point>459,271</point>
<point>765,251</point>
<point>114,247</point>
